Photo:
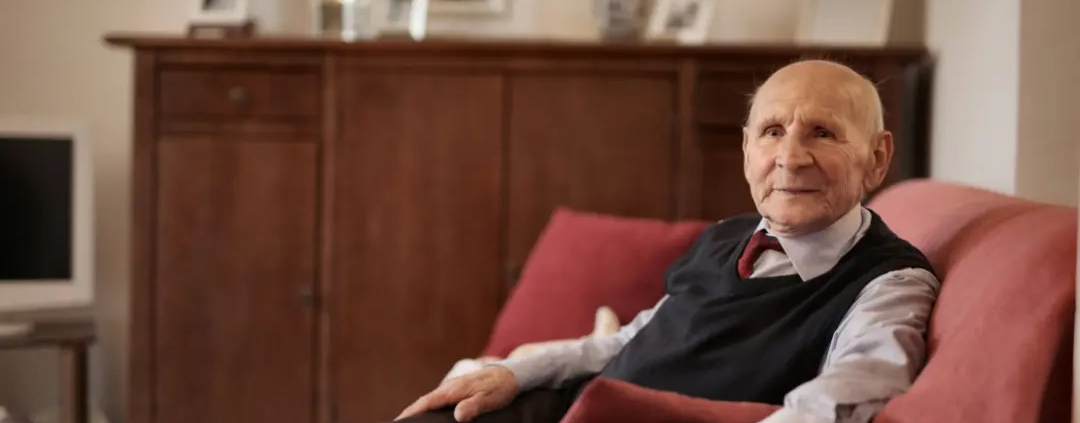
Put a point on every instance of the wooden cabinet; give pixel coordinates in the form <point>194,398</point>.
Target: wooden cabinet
<point>415,232</point>
<point>238,92</point>
<point>322,228</point>
<point>721,101</point>
<point>234,267</point>
<point>600,142</point>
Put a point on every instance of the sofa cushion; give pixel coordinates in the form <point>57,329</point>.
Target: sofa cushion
<point>939,218</point>
<point>1000,336</point>
<point>606,400</point>
<point>583,261</point>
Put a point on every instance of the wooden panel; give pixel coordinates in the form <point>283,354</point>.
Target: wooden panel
<point>324,389</point>
<point>513,63</point>
<point>904,102</point>
<point>722,103</point>
<point>416,234</point>
<point>235,263</point>
<point>689,167</point>
<point>602,143</point>
<point>725,192</point>
<point>724,99</point>
<point>233,92</point>
<point>729,54</point>
<point>290,130</point>
<point>723,92</point>
<point>143,243</point>
<point>263,59</point>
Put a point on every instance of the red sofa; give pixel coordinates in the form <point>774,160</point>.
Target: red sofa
<point>1000,337</point>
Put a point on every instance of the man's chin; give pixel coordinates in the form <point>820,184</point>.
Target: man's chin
<point>793,224</point>
<point>798,204</point>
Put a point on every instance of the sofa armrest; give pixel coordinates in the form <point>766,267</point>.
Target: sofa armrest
<point>606,400</point>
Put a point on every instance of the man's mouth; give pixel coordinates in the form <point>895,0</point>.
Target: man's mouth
<point>791,190</point>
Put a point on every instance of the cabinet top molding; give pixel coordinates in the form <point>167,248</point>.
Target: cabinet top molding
<point>452,46</point>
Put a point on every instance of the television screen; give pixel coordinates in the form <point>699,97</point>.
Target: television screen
<point>36,208</point>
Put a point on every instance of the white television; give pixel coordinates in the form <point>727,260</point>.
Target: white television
<point>46,218</point>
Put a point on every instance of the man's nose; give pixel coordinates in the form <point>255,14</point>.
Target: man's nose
<point>793,154</point>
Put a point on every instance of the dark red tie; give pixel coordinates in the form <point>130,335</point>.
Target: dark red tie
<point>759,242</point>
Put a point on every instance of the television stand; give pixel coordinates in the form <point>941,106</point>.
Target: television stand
<point>73,338</point>
<point>15,329</point>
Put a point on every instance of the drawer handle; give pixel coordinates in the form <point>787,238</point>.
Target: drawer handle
<point>238,95</point>
<point>308,298</point>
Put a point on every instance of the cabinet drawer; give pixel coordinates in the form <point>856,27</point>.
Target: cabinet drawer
<point>226,92</point>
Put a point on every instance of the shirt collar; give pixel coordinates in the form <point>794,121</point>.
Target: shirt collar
<point>814,254</point>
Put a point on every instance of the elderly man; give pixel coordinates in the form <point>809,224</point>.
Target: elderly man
<point>813,303</point>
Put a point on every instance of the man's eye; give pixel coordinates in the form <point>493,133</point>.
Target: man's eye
<point>822,133</point>
<point>773,131</point>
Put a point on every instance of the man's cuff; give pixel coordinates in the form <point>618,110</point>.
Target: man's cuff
<point>790,415</point>
<point>528,373</point>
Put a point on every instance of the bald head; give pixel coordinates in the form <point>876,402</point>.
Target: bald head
<point>825,81</point>
<point>814,145</point>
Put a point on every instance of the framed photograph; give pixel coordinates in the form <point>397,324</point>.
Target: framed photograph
<point>469,7</point>
<point>220,12</point>
<point>844,22</point>
<point>397,15</point>
<point>683,21</point>
<point>622,20</point>
<point>401,18</point>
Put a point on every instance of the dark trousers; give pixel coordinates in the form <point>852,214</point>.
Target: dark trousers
<point>536,406</point>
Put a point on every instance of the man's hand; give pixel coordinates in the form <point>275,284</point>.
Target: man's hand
<point>475,393</point>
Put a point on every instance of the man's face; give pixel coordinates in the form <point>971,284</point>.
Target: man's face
<point>810,153</point>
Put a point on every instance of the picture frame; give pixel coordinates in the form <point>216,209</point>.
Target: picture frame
<point>401,18</point>
<point>844,22</point>
<point>622,20</point>
<point>681,21</point>
<point>469,7</point>
<point>222,12</point>
<point>220,19</point>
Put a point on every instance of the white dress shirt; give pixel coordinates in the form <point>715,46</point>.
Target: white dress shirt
<point>875,353</point>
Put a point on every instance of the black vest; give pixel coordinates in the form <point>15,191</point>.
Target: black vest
<point>722,337</point>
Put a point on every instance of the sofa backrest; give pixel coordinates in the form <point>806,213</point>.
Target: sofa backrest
<point>1000,336</point>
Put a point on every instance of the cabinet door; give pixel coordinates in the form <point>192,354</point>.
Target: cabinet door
<point>725,192</point>
<point>233,331</point>
<point>720,112</point>
<point>598,142</point>
<point>415,242</point>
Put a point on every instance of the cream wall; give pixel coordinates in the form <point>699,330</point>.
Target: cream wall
<point>1005,85</point>
<point>1049,90</point>
<point>55,65</point>
<point>976,91</point>
<point>733,21</point>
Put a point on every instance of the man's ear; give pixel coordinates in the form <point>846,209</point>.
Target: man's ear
<point>881,154</point>
<point>745,141</point>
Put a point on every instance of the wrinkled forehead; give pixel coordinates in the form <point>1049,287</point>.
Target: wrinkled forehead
<point>807,99</point>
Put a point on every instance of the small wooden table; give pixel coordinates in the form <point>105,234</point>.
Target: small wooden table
<point>73,338</point>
